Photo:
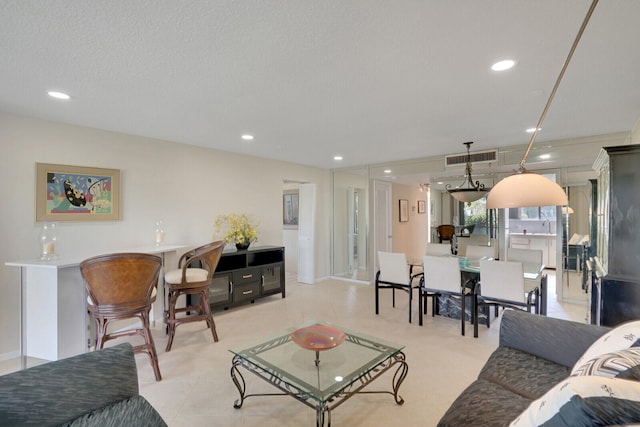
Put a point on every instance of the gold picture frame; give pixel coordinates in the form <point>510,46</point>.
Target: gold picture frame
<point>76,193</point>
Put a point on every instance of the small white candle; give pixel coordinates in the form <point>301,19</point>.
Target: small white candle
<point>48,248</point>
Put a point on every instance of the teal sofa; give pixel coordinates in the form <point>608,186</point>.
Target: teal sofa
<point>98,388</point>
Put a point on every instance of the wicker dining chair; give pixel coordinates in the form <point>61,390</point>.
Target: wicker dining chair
<point>123,286</point>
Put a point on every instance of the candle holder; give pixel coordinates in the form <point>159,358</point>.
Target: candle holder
<point>48,241</point>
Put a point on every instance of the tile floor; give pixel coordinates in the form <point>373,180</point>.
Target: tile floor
<point>197,390</point>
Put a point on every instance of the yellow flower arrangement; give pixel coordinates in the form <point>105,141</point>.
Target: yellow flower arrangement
<point>236,229</point>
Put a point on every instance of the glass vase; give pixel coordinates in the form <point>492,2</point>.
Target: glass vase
<point>159,232</point>
<point>48,241</point>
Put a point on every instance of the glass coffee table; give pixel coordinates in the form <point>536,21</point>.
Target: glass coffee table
<point>322,380</point>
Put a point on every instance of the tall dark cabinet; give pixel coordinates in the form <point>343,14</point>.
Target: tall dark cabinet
<point>616,287</point>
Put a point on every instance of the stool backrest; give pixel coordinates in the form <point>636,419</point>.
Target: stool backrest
<point>121,278</point>
<point>208,255</point>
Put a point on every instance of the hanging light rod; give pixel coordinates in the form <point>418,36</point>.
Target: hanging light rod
<point>474,190</point>
<point>527,189</point>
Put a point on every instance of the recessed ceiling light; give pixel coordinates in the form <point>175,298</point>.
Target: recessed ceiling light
<point>58,95</point>
<point>503,65</point>
<point>247,137</point>
<point>532,130</point>
<point>387,171</point>
<point>544,156</point>
<point>337,157</point>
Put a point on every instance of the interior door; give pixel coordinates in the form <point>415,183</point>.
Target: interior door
<point>382,221</point>
<point>306,233</point>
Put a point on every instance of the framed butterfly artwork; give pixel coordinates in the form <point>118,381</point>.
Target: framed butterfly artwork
<point>77,193</point>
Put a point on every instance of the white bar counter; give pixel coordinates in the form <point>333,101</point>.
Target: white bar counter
<point>54,321</point>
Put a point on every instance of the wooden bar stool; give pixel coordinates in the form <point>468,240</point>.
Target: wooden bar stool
<point>188,280</point>
<point>123,286</point>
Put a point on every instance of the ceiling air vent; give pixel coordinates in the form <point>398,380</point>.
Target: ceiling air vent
<point>479,157</point>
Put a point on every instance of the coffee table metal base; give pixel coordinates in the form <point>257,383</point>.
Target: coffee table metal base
<point>322,408</point>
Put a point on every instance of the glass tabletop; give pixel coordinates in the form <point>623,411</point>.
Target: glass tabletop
<point>338,367</point>
<point>472,265</point>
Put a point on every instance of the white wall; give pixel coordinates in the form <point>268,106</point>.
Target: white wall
<point>187,186</point>
<point>409,237</point>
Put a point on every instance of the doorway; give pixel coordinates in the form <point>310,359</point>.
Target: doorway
<point>350,248</point>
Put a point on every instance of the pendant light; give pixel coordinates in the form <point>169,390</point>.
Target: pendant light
<point>524,189</point>
<point>473,190</point>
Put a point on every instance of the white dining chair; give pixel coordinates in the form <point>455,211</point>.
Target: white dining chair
<point>461,246</point>
<point>479,239</point>
<point>533,256</point>
<point>394,274</point>
<point>437,249</point>
<point>441,279</point>
<point>502,285</point>
<point>479,252</point>
<point>526,256</point>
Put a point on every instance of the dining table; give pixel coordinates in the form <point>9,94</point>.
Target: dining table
<point>470,271</point>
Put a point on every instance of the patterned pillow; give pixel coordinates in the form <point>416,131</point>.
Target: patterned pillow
<point>623,364</point>
<point>622,337</point>
<point>585,401</point>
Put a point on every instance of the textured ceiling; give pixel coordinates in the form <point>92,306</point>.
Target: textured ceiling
<point>371,80</point>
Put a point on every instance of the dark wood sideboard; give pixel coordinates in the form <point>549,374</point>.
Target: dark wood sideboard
<point>243,276</point>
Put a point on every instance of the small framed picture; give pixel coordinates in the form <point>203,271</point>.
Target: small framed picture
<point>404,210</point>
<point>422,206</point>
<point>290,209</point>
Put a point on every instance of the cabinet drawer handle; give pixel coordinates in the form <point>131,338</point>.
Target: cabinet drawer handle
<point>247,292</point>
<point>247,276</point>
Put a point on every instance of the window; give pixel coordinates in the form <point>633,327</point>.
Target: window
<point>477,219</point>
<point>474,216</point>
<point>537,212</point>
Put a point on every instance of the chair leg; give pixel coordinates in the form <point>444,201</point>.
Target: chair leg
<point>206,310</point>
<point>101,332</point>
<point>474,298</point>
<point>410,301</point>
<point>171,318</point>
<point>421,303</point>
<point>151,346</point>
<point>462,312</point>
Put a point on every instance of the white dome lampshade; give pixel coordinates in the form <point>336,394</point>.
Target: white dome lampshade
<point>526,189</point>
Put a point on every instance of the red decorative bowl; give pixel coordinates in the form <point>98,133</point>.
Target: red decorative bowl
<point>318,337</point>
